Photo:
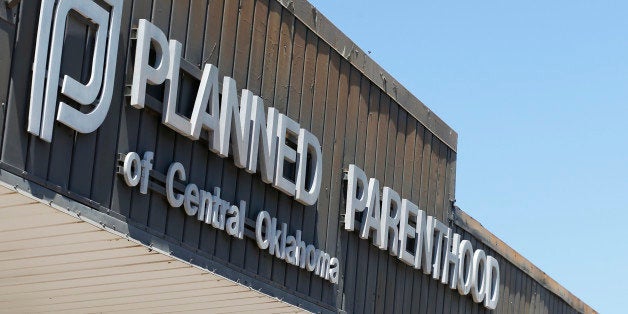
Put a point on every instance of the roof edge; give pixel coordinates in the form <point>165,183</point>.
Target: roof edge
<point>327,31</point>
<point>469,224</point>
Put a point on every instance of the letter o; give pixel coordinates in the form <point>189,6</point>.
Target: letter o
<point>131,169</point>
<point>263,220</point>
<point>465,256</point>
<point>477,289</point>
<point>310,258</point>
<point>492,280</point>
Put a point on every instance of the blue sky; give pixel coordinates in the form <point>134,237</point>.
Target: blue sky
<point>538,93</point>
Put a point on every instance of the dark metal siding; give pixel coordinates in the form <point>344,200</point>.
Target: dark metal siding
<point>7,40</point>
<point>270,52</point>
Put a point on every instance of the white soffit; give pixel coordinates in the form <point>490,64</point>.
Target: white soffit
<point>51,261</point>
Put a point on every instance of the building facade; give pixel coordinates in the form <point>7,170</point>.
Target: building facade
<point>251,143</point>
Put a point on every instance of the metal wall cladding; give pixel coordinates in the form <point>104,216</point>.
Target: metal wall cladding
<point>7,45</point>
<point>267,50</point>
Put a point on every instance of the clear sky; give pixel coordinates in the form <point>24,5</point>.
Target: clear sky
<point>538,93</point>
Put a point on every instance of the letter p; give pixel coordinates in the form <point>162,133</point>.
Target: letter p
<point>97,92</point>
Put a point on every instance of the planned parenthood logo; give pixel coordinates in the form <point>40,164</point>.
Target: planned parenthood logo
<point>97,92</point>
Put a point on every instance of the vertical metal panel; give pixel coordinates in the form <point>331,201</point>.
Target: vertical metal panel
<point>305,102</point>
<point>551,303</point>
<point>327,142</point>
<point>451,296</point>
<point>416,196</point>
<point>518,289</point>
<point>267,93</point>
<point>280,102</point>
<point>366,284</point>
<point>61,149</point>
<point>365,301</point>
<point>5,13</point>
<point>433,177</point>
<point>198,164</point>
<point>182,147</point>
<point>123,198</point>
<point>162,11</point>
<point>270,52</point>
<point>243,41</point>
<point>504,270</point>
<point>255,74</point>
<point>357,251</point>
<point>514,278</point>
<point>347,246</point>
<point>425,183</point>
<point>457,299</point>
<point>315,70</point>
<point>534,298</point>
<point>284,55</point>
<point>432,285</point>
<point>240,74</point>
<point>293,211</point>
<point>527,295</point>
<point>441,213</point>
<point>226,59</point>
<point>317,126</point>
<point>213,175</point>
<point>540,305</point>
<point>390,180</point>
<point>7,36</point>
<point>512,284</point>
<point>84,149</point>
<point>502,305</point>
<point>397,276</point>
<point>555,304</point>
<point>546,298</point>
<point>537,298</point>
<point>103,178</point>
<point>330,294</point>
<point>15,137</point>
<point>380,171</point>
